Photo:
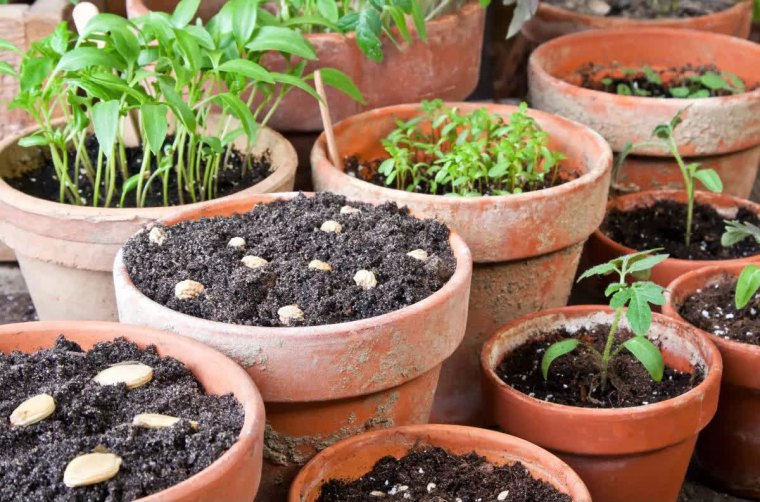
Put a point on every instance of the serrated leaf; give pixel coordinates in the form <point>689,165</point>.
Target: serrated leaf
<point>710,179</point>
<point>603,269</point>
<point>747,285</point>
<point>639,313</point>
<point>555,351</point>
<point>646,262</point>
<point>648,355</point>
<point>105,123</point>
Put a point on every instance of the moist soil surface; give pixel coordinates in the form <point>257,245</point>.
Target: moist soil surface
<point>431,474</point>
<point>662,225</point>
<point>574,379</point>
<point>90,417</point>
<point>44,184</point>
<point>712,309</point>
<point>287,234</point>
<point>644,9</point>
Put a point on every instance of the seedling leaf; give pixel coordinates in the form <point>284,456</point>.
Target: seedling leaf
<point>709,179</point>
<point>747,285</point>
<point>555,351</point>
<point>648,355</point>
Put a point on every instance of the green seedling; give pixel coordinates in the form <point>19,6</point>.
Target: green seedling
<point>635,300</point>
<point>736,231</point>
<point>693,87</point>
<point>747,285</point>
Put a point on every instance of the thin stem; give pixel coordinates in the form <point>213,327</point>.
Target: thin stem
<point>688,184</point>
<point>608,346</point>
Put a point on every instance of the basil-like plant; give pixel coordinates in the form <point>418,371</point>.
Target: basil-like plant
<point>635,300</point>
<point>747,285</point>
<point>164,76</point>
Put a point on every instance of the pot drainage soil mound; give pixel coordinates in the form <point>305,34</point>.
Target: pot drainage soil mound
<point>304,262</point>
<point>574,379</point>
<point>92,417</point>
<point>712,309</point>
<point>431,474</point>
<point>644,9</point>
<point>662,225</point>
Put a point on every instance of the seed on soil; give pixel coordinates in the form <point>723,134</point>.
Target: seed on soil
<point>33,410</point>
<point>365,279</point>
<point>133,375</point>
<point>158,421</point>
<point>502,495</point>
<point>349,210</point>
<point>90,469</point>
<point>188,289</point>
<point>236,242</point>
<point>289,314</point>
<point>418,254</point>
<point>254,261</point>
<point>320,265</point>
<point>430,487</point>
<point>376,493</point>
<point>331,226</point>
<point>157,236</point>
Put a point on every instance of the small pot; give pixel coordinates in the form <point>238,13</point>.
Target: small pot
<point>516,240</point>
<point>725,129</point>
<point>66,252</point>
<point>352,458</point>
<point>350,377</point>
<point>233,476</point>
<point>625,454</point>
<point>727,450</point>
<point>602,249</point>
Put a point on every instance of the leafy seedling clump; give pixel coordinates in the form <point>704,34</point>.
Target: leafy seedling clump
<point>644,9</point>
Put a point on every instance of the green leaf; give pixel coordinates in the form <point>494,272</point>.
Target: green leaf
<point>342,82</point>
<point>184,12</point>
<point>651,75</point>
<point>642,263</point>
<point>239,109</point>
<point>275,38</point>
<point>702,93</point>
<point>105,123</point>
<point>293,81</point>
<point>737,231</point>
<point>329,9</point>
<point>555,351</point>
<point>5,45</point>
<point>747,285</point>
<point>710,180</point>
<point>154,123</point>
<point>190,49</point>
<point>603,269</point>
<point>85,57</point>
<point>713,81</point>
<point>648,355</point>
<point>244,17</point>
<point>34,71</point>
<point>312,20</point>
<point>248,69</point>
<point>679,92</point>
<point>623,90</point>
<point>368,31</point>
<point>128,186</point>
<point>639,313</point>
<point>178,106</point>
<point>33,140</point>
<point>104,23</point>
<point>126,44</point>
<point>400,21</point>
<point>418,17</point>
<point>7,69</point>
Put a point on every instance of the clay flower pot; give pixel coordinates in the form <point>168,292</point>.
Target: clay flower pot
<point>517,241</point>
<point>624,454</point>
<point>324,383</point>
<point>445,67</point>
<point>66,252</point>
<point>601,248</point>
<point>721,132</point>
<point>727,448</point>
<point>351,458</point>
<point>233,476</point>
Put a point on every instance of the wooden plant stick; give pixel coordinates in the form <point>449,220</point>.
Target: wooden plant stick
<point>324,110</point>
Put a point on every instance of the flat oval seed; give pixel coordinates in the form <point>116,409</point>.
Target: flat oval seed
<point>188,289</point>
<point>290,313</point>
<point>320,265</point>
<point>157,236</point>
<point>365,279</point>
<point>33,410</point>
<point>418,254</point>
<point>158,421</point>
<point>253,261</point>
<point>349,210</point>
<point>90,469</point>
<point>236,242</point>
<point>133,375</point>
<point>331,226</point>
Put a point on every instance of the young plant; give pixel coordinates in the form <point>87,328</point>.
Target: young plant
<point>690,86</point>
<point>736,231</point>
<point>635,300</point>
<point>690,172</point>
<point>747,285</point>
<point>469,154</point>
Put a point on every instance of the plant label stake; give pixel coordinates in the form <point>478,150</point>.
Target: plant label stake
<point>83,12</point>
<point>324,110</point>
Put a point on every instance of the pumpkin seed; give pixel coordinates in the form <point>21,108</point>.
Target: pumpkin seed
<point>158,421</point>
<point>320,265</point>
<point>90,469</point>
<point>254,261</point>
<point>290,313</point>
<point>331,226</point>
<point>188,289</point>
<point>33,410</point>
<point>418,254</point>
<point>365,279</point>
<point>133,375</point>
<point>236,242</point>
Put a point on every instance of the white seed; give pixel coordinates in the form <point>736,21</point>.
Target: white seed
<point>90,469</point>
<point>418,254</point>
<point>188,289</point>
<point>236,242</point>
<point>33,410</point>
<point>331,226</point>
<point>430,487</point>
<point>320,265</point>
<point>157,236</point>
<point>365,279</point>
<point>349,210</point>
<point>376,493</point>
<point>290,313</point>
<point>133,375</point>
<point>157,421</point>
<point>253,261</point>
<point>503,495</point>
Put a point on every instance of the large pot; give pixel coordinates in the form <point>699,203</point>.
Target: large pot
<point>352,458</point>
<point>233,476</point>
<point>325,383</point>
<point>624,454</point>
<point>725,129</point>
<point>727,450</point>
<point>517,241</point>
<point>66,252</point>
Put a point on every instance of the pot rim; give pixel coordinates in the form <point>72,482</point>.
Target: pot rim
<point>252,403</point>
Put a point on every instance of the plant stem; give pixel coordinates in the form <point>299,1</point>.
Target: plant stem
<point>688,184</point>
<point>608,346</point>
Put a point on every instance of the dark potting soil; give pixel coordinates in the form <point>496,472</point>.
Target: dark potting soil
<point>431,474</point>
<point>662,225</point>
<point>712,309</point>
<point>90,417</point>
<point>644,9</point>
<point>574,379</point>
<point>16,307</point>
<point>44,184</point>
<point>288,235</point>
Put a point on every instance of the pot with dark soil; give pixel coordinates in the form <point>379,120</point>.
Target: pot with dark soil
<point>707,298</point>
<point>341,311</point>
<point>525,223</point>
<point>436,462</point>
<point>614,81</point>
<point>133,413</point>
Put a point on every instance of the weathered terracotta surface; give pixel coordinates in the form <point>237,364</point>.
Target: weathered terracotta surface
<point>551,22</point>
<point>66,252</point>
<point>626,454</point>
<point>526,247</point>
<point>353,457</point>
<point>727,450</point>
<point>445,67</point>
<point>601,248</point>
<point>237,473</point>
<point>324,383</point>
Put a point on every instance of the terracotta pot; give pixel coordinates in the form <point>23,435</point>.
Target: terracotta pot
<point>445,67</point>
<point>325,383</point>
<point>66,252</point>
<point>552,22</point>
<point>727,448</point>
<point>625,454</point>
<point>517,241</point>
<point>713,127</point>
<point>352,458</point>
<point>233,476</point>
<point>601,248</point>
